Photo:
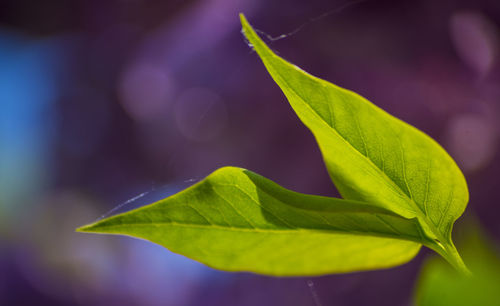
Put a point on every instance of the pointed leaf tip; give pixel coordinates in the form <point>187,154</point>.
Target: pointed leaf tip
<point>84,229</point>
<point>95,227</point>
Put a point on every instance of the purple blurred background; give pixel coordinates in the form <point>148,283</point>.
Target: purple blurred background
<point>109,105</point>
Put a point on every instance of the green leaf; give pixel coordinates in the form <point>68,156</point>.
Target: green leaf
<point>372,156</point>
<point>237,220</point>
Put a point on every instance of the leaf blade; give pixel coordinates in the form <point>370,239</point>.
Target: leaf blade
<point>285,234</point>
<point>370,155</point>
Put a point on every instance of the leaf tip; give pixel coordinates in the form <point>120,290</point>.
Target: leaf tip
<point>89,228</point>
<point>247,29</point>
<point>84,229</point>
<point>243,19</point>
<point>244,28</point>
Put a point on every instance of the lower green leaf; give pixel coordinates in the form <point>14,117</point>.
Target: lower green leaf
<point>236,220</point>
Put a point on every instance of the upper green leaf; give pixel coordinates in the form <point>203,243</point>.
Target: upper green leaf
<point>237,220</point>
<point>370,155</point>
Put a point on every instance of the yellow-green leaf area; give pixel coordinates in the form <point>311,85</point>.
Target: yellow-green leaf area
<point>372,156</point>
<point>236,220</point>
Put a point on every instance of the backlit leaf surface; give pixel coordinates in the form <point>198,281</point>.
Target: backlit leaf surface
<point>239,221</point>
<point>370,155</point>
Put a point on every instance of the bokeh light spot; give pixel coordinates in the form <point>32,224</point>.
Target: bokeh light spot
<point>144,91</point>
<point>475,38</point>
<point>472,140</point>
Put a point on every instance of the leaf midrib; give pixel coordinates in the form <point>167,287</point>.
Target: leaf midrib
<point>294,230</point>
<point>416,208</point>
<point>393,184</point>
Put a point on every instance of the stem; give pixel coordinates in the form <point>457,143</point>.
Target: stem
<point>447,250</point>
<point>450,253</point>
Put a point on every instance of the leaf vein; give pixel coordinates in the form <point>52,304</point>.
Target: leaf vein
<point>285,230</point>
<point>258,204</point>
<point>396,231</point>
<point>448,205</point>
<point>427,181</point>
<point>248,221</point>
<point>199,213</point>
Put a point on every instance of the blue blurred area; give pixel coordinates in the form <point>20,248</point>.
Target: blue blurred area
<point>29,85</point>
<point>109,105</point>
